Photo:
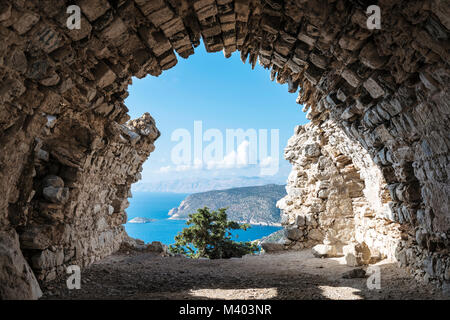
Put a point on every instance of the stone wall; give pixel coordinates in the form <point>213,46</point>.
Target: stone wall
<point>337,195</point>
<point>67,161</point>
<point>79,192</point>
<point>340,204</point>
<point>72,205</point>
<point>338,198</point>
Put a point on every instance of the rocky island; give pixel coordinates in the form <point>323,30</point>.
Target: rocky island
<point>141,220</point>
<point>254,205</point>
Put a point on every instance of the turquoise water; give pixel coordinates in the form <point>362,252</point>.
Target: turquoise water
<point>157,206</point>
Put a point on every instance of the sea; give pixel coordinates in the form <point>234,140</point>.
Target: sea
<point>156,206</point>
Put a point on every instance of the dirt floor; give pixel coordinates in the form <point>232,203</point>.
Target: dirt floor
<point>289,275</point>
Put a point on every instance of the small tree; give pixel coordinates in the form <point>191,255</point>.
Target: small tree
<point>209,236</point>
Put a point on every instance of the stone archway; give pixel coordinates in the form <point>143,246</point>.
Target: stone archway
<point>68,155</point>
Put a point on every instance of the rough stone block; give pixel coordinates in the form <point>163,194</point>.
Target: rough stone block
<point>324,251</point>
<point>161,16</point>
<point>56,194</point>
<point>270,24</point>
<point>25,22</point>
<point>293,233</point>
<point>116,33</point>
<point>17,281</point>
<point>104,75</point>
<point>241,7</point>
<point>149,6</point>
<point>228,18</point>
<point>318,60</point>
<point>78,34</point>
<point>295,68</point>
<point>198,4</point>
<point>351,78</point>
<point>271,247</point>
<point>356,254</point>
<point>442,10</point>
<point>172,27</point>
<point>44,260</point>
<point>156,40</point>
<point>212,31</point>
<point>206,12</point>
<point>53,181</point>
<point>306,39</point>
<point>354,273</point>
<point>369,56</point>
<point>374,89</point>
<point>5,11</point>
<point>94,9</point>
<point>313,74</point>
<point>349,43</point>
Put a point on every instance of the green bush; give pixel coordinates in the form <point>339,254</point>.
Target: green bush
<point>209,236</point>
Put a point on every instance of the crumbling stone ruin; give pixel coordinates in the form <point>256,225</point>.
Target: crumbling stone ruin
<point>337,197</point>
<point>369,173</point>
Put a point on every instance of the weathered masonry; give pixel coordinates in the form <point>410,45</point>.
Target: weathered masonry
<point>370,171</point>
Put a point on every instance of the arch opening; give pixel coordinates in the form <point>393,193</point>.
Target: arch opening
<point>223,126</point>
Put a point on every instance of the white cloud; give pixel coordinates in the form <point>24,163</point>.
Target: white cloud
<point>198,165</point>
<point>233,159</point>
<point>182,167</point>
<point>267,162</point>
<point>165,169</point>
<point>242,154</point>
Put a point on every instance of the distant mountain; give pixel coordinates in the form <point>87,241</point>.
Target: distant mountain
<point>203,184</point>
<point>141,220</point>
<point>254,205</point>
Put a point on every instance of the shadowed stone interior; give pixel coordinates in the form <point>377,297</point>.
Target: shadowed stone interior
<point>370,172</point>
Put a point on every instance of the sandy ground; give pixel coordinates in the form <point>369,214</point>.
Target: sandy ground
<point>289,275</point>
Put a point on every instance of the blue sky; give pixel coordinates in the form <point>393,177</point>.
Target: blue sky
<point>223,94</point>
